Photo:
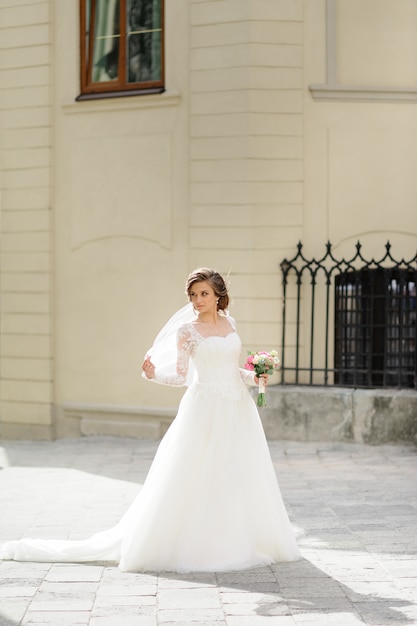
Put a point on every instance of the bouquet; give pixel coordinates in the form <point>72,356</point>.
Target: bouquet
<point>262,363</point>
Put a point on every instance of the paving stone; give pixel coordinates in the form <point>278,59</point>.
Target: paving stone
<point>73,588</point>
<point>260,587</point>
<point>364,574</point>
<point>13,609</point>
<point>250,598</point>
<point>264,609</point>
<point>125,589</point>
<point>312,572</point>
<point>74,573</point>
<point>359,591</point>
<point>114,574</point>
<point>62,604</point>
<point>406,583</point>
<point>205,581</point>
<point>331,590</point>
<point>410,611</point>
<point>189,599</point>
<point>121,609</point>
<point>199,623</point>
<point>401,568</point>
<point>62,601</point>
<point>384,613</point>
<point>20,582</point>
<point>260,620</point>
<point>16,591</point>
<point>318,604</point>
<point>14,569</point>
<point>263,574</point>
<point>128,620</point>
<point>124,600</point>
<point>61,618</point>
<point>191,615</point>
<point>320,618</point>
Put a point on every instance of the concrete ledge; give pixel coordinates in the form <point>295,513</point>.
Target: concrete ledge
<point>372,416</point>
<point>34,432</point>
<point>75,420</point>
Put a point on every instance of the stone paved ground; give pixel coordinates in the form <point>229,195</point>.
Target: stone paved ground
<point>354,508</point>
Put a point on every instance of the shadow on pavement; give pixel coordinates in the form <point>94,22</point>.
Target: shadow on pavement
<point>5,621</point>
<point>297,588</point>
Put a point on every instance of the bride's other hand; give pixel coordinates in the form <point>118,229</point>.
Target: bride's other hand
<point>265,378</point>
<point>148,367</point>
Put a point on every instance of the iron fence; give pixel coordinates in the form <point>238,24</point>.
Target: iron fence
<point>349,322</point>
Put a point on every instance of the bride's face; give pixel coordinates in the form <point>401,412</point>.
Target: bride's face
<point>203,298</point>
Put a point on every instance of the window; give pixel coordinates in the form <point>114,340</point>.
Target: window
<point>375,328</point>
<point>122,47</point>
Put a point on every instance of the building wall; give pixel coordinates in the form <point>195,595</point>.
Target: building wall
<point>121,229</point>
<point>246,151</point>
<point>360,106</point>
<point>360,97</point>
<point>26,339</point>
<point>226,192</point>
<point>272,129</point>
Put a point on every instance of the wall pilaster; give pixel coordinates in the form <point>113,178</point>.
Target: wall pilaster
<point>26,350</point>
<point>246,152</point>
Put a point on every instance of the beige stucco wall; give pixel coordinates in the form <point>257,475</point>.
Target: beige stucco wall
<point>360,140</point>
<point>230,167</point>
<point>121,225</point>
<point>360,154</point>
<point>26,284</point>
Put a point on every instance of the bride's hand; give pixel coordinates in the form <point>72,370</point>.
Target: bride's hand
<point>264,376</point>
<point>148,367</point>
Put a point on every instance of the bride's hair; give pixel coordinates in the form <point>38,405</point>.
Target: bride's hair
<point>215,280</point>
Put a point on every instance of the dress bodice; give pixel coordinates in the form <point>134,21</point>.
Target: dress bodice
<point>215,360</point>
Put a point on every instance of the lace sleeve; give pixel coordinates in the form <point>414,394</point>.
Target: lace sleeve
<point>247,376</point>
<point>184,348</point>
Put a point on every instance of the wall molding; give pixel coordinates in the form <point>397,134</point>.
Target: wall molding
<point>165,99</point>
<point>333,90</point>
<point>327,91</point>
<point>141,422</point>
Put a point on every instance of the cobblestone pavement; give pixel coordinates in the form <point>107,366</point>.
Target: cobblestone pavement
<point>354,508</point>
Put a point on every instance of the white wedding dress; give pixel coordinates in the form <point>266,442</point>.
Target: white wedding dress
<point>211,501</point>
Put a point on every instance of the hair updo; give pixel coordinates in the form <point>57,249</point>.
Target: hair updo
<point>216,282</point>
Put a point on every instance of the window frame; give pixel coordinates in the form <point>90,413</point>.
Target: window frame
<point>119,87</point>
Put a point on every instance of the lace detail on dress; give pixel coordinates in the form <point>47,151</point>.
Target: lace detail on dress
<point>188,338</point>
<point>247,376</point>
<point>186,344</point>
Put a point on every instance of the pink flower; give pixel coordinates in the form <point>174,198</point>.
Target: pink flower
<point>249,363</point>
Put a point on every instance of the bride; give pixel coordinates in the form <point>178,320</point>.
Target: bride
<point>211,501</point>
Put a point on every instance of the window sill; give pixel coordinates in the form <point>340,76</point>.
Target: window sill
<point>122,103</point>
<point>363,94</point>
